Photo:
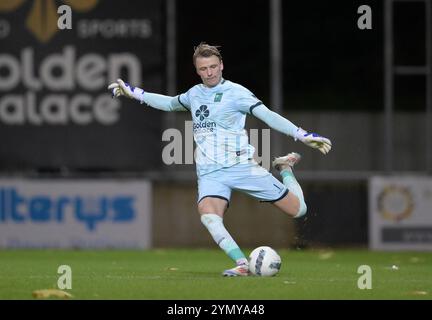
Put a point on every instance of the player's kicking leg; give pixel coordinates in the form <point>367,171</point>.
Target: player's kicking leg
<point>293,203</point>
<point>240,270</point>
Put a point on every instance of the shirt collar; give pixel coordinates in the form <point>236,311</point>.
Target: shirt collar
<point>216,87</point>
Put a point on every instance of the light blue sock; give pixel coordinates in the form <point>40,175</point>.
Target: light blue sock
<point>214,225</point>
<point>293,186</point>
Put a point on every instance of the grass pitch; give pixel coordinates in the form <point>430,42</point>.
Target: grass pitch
<point>195,274</point>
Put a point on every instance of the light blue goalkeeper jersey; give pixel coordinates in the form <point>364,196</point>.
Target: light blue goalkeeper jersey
<point>219,116</point>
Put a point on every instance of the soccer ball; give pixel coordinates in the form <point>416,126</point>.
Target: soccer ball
<point>264,262</point>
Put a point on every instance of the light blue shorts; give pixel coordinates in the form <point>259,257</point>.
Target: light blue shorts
<point>249,178</point>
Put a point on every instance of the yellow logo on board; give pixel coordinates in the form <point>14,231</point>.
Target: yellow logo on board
<point>43,16</point>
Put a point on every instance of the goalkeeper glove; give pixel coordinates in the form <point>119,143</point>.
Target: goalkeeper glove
<point>121,88</point>
<point>313,140</point>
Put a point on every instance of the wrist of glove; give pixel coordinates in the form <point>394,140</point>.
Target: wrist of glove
<point>121,88</point>
<point>313,140</point>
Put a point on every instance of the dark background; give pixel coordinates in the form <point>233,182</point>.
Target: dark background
<point>328,62</point>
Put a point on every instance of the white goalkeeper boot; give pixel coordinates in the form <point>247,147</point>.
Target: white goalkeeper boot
<point>241,270</point>
<point>287,161</point>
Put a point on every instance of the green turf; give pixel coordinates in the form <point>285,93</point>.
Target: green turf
<point>195,274</point>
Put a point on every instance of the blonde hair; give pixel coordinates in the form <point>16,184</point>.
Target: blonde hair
<point>205,50</point>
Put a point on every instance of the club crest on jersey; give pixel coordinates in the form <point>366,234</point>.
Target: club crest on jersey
<point>218,97</point>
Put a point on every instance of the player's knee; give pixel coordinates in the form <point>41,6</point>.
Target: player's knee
<point>203,208</point>
<point>212,205</point>
<point>208,208</point>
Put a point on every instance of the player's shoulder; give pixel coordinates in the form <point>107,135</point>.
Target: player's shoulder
<point>238,88</point>
<point>193,89</point>
<point>192,92</point>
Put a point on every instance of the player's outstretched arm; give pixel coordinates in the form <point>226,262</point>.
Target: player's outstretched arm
<point>121,88</point>
<point>157,101</point>
<point>279,123</point>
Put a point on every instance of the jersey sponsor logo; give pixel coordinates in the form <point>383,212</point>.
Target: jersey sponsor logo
<point>204,127</point>
<point>202,112</point>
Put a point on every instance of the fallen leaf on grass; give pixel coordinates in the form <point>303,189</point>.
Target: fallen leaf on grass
<point>48,293</point>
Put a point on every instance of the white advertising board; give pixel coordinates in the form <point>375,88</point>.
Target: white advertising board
<point>400,213</point>
<point>75,213</point>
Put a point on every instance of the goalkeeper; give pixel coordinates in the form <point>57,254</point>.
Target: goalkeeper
<point>224,157</point>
